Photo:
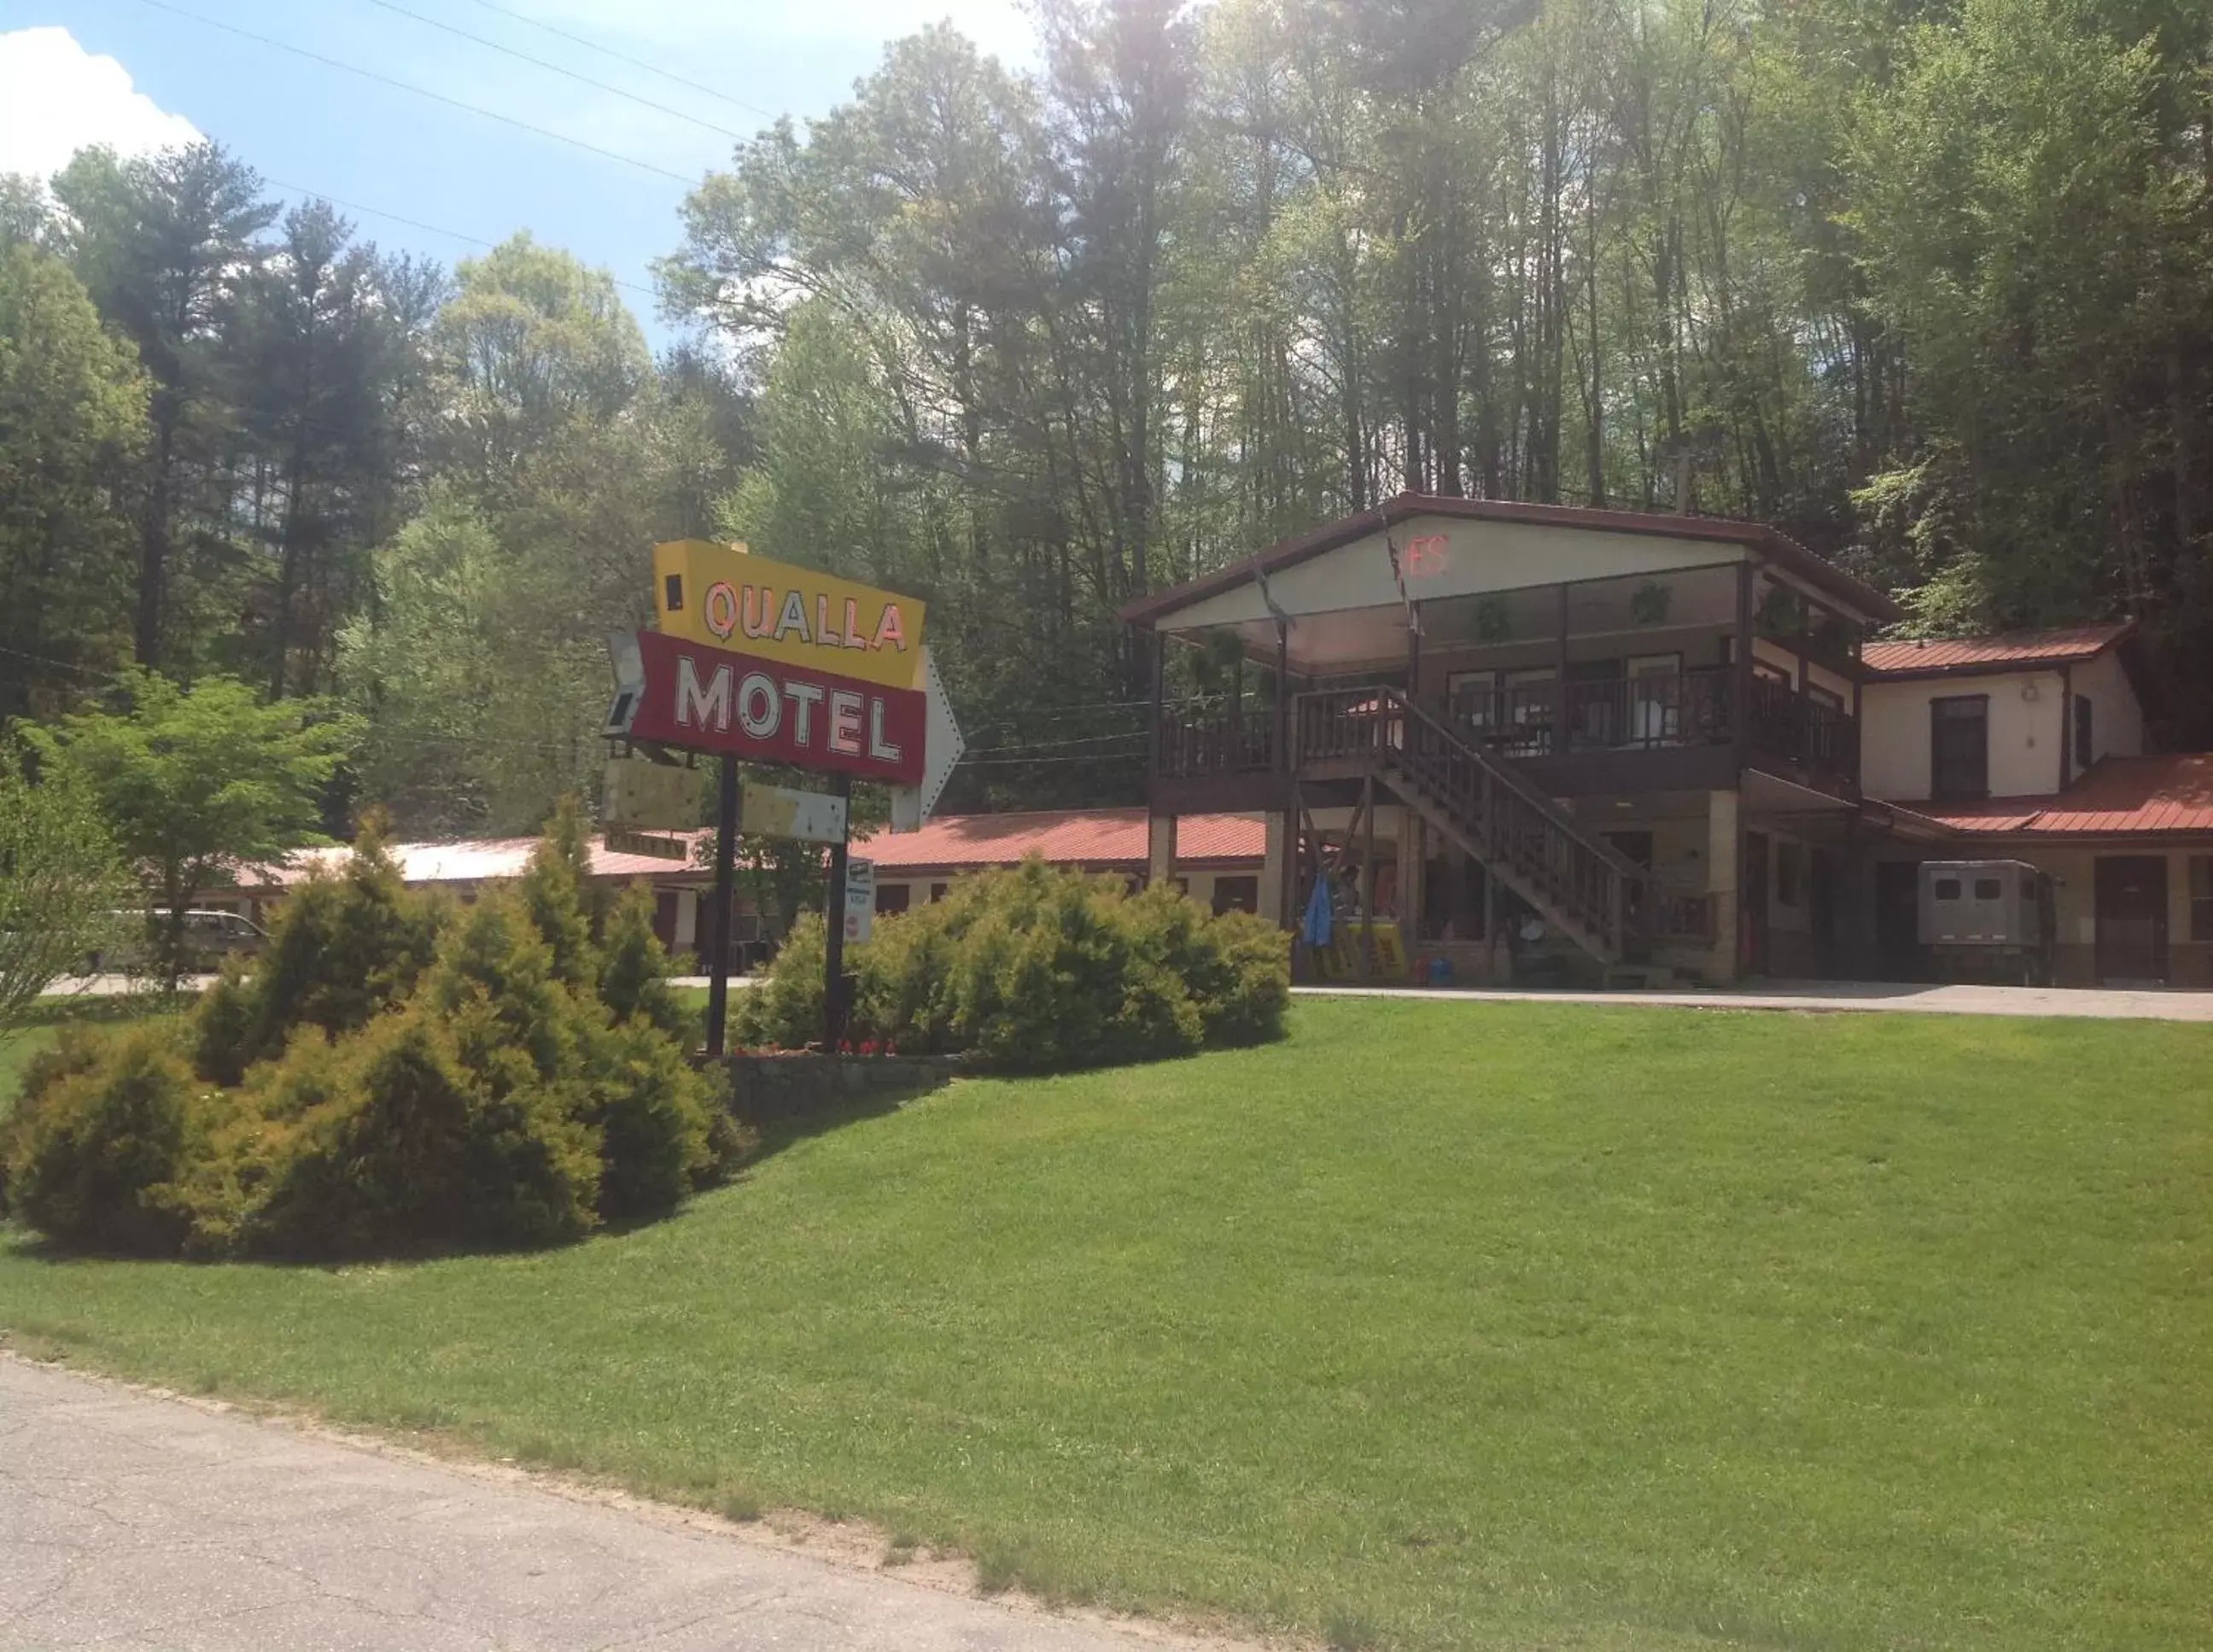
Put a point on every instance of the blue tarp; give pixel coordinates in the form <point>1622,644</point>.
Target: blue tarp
<point>1320,924</point>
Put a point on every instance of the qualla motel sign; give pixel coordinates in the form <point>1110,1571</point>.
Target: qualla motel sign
<point>760,662</point>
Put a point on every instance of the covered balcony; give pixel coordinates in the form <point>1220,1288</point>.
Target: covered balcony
<point>1649,681</point>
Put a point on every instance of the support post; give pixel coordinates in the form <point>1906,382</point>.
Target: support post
<point>1560,679</point>
<point>1155,690</point>
<point>1745,574</point>
<point>1368,878</point>
<point>833,947</point>
<point>2067,726</point>
<point>718,923</point>
<point>1284,763</point>
<point>1489,926</point>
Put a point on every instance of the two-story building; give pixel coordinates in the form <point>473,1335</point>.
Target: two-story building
<point>1530,740</point>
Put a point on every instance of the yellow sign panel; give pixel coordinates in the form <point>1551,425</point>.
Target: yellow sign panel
<point>721,597</point>
<point>1347,953</point>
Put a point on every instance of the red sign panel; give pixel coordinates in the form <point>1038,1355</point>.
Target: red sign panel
<point>709,699</point>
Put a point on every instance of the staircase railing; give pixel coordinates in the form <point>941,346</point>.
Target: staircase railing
<point>1509,824</point>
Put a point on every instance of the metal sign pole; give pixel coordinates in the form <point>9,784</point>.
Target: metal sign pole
<point>833,951</point>
<point>719,941</point>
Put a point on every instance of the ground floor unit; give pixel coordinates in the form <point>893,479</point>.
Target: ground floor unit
<point>1767,881</point>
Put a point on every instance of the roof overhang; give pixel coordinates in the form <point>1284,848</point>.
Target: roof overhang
<point>1486,544</point>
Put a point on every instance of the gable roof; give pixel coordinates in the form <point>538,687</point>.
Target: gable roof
<point>1778,547</point>
<point>2171,792</point>
<point>1102,837</point>
<point>2005,651</point>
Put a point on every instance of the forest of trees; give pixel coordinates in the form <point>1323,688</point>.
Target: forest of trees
<point>1928,284</point>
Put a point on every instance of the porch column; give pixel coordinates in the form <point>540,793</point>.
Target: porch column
<point>1741,714</point>
<point>1560,679</point>
<point>1724,867</point>
<point>1160,848</point>
<point>1275,896</point>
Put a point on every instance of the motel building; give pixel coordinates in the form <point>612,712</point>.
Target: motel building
<point>1532,743</point>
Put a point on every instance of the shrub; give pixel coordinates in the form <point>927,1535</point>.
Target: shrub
<point>1034,969</point>
<point>563,902</point>
<point>783,1010</point>
<point>416,1152</point>
<point>634,969</point>
<point>345,948</point>
<point>654,1112</point>
<point>99,1138</point>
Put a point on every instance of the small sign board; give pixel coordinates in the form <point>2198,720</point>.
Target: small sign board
<point>639,793</point>
<point>860,901</point>
<point>815,817</point>
<point>621,840</point>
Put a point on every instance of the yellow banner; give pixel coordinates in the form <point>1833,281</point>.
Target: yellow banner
<point>726,599</point>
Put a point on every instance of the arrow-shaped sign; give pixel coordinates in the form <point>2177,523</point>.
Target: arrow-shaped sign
<point>941,748</point>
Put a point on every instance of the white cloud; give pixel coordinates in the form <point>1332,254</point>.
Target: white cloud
<point>56,98</point>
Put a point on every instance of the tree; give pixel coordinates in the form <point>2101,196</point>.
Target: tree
<point>200,782</point>
<point>72,416</point>
<point>62,882</point>
<point>166,243</point>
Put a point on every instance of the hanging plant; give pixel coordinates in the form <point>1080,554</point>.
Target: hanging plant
<point>1650,602</point>
<point>1494,620</point>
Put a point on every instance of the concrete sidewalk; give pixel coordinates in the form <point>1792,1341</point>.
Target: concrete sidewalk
<point>130,1521</point>
<point>2098,1003</point>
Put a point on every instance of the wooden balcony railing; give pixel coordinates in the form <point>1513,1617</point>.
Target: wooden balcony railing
<point>1203,738</point>
<point>1654,711</point>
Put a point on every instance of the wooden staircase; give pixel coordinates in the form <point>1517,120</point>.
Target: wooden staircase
<point>1582,887</point>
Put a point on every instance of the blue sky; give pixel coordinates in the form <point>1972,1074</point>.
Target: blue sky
<point>323,129</point>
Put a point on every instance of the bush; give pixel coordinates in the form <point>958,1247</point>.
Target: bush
<point>99,1138</point>
<point>390,1085</point>
<point>1033,969</point>
<point>782,1010</point>
<point>345,948</point>
<point>416,1152</point>
<point>634,970</point>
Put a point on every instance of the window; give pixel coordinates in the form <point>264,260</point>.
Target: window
<point>2085,730</point>
<point>1988,889</point>
<point>893,897</point>
<point>1948,888</point>
<point>938,892</point>
<point>1827,697</point>
<point>2201,897</point>
<point>1960,746</point>
<point>1789,873</point>
<point>1236,895</point>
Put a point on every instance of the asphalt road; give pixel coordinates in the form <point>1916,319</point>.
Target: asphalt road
<point>134,1521</point>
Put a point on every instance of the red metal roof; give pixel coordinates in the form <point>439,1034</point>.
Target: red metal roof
<point>2007,650</point>
<point>2171,792</point>
<point>1090,838</point>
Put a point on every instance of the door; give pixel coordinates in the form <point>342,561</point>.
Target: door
<point>1655,692</point>
<point>1821,903</point>
<point>2132,893</point>
<point>1898,920</point>
<point>1752,895</point>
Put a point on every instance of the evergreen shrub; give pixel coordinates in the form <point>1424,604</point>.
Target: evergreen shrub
<point>392,1077</point>
<point>1032,969</point>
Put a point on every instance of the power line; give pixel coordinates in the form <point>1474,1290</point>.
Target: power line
<point>555,67</point>
<point>419,91</point>
<point>623,57</point>
<point>416,224</point>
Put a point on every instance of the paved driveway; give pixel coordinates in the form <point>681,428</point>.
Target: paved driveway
<point>2101,1005</point>
<point>128,1521</point>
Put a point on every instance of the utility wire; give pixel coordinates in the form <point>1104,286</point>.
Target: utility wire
<point>623,57</point>
<point>416,224</point>
<point>419,91</point>
<point>555,67</point>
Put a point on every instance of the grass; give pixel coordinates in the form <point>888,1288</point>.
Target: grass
<point>1437,1325</point>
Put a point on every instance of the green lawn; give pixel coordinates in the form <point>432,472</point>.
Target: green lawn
<point>1438,1326</point>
